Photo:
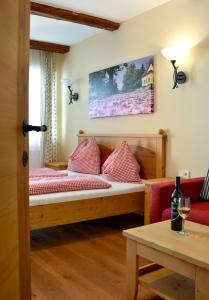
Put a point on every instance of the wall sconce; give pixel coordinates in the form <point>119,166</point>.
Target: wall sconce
<point>174,54</point>
<point>72,96</point>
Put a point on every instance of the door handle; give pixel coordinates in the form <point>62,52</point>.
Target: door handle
<point>26,128</point>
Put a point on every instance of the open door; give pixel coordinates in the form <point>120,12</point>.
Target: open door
<point>14,225</point>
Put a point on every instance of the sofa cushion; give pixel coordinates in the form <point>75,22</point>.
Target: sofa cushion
<point>199,213</point>
<point>204,193</point>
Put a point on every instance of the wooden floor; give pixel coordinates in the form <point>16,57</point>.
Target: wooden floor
<point>83,261</point>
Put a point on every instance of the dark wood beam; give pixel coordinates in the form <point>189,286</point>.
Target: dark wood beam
<point>51,47</point>
<point>71,16</point>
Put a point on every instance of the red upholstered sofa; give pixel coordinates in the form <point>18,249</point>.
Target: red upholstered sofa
<point>160,198</point>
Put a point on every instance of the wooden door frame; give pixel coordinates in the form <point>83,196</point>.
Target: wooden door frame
<point>23,196</point>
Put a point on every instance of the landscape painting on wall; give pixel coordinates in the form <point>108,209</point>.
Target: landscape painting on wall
<point>125,89</point>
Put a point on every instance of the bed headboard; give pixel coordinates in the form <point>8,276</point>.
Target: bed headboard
<point>149,149</point>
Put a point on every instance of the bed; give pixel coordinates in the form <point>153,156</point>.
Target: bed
<point>70,207</point>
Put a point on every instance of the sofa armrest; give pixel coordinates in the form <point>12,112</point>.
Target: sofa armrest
<point>160,195</point>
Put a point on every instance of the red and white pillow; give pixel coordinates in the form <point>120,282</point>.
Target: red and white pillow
<point>86,157</point>
<point>121,165</point>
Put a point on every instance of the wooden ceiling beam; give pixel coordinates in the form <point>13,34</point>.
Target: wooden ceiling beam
<point>51,47</point>
<point>71,16</point>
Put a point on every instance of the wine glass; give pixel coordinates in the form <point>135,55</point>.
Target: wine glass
<point>184,210</point>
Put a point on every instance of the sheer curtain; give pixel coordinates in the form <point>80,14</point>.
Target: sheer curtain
<point>49,109</point>
<point>42,108</point>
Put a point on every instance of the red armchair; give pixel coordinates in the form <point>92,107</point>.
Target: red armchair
<point>160,201</point>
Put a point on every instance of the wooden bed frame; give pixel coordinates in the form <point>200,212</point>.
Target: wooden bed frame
<point>149,150</point>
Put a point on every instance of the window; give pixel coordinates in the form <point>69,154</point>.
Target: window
<point>42,108</point>
<point>35,108</point>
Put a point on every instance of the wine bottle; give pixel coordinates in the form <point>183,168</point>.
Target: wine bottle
<point>176,220</point>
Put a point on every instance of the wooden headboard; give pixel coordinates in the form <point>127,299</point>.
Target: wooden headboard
<point>149,149</point>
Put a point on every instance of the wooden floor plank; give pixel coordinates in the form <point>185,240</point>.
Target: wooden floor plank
<point>83,261</point>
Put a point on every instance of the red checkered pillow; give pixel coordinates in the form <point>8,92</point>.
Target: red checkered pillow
<point>121,165</point>
<point>85,158</point>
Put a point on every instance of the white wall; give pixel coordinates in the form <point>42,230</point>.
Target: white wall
<point>183,112</point>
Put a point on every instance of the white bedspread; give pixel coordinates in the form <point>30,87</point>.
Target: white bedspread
<point>116,189</point>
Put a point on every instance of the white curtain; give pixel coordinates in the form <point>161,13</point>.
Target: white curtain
<point>35,160</point>
<point>42,108</point>
<point>49,109</point>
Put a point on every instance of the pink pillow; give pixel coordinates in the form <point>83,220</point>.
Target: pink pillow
<point>85,158</point>
<point>121,165</point>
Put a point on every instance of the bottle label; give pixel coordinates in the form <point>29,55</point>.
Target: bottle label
<point>174,211</point>
<point>176,220</point>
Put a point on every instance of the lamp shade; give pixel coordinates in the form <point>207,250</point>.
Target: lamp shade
<point>175,53</point>
<point>67,81</point>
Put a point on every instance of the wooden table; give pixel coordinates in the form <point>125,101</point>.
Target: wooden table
<point>185,259</point>
<point>148,183</point>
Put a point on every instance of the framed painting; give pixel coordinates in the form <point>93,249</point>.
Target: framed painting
<point>125,89</point>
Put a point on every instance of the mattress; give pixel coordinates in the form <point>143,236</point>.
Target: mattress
<point>117,188</point>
